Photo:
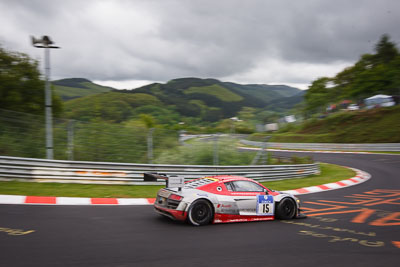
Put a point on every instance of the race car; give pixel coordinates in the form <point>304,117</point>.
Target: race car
<point>222,199</point>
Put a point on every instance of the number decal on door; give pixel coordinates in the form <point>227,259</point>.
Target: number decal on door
<point>265,205</point>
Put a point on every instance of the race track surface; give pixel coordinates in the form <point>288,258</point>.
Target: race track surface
<point>354,226</point>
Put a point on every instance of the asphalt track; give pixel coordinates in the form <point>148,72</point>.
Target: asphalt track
<point>354,226</point>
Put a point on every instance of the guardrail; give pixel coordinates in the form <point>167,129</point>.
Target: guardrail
<point>62,171</point>
<point>329,146</point>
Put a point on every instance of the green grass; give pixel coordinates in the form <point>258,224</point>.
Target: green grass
<point>379,125</point>
<point>329,173</point>
<point>384,152</point>
<point>77,190</point>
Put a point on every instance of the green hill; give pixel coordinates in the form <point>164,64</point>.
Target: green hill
<point>224,97</point>
<point>77,87</point>
<point>202,100</point>
<point>379,125</point>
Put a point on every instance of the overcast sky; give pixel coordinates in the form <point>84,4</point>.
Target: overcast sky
<point>130,43</point>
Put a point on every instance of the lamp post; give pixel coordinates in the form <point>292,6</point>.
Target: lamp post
<point>46,43</point>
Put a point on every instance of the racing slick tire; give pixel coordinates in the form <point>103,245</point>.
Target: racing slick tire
<point>286,209</point>
<point>200,212</point>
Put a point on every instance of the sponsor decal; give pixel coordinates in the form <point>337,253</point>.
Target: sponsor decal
<point>223,206</point>
<point>248,210</point>
<point>227,209</point>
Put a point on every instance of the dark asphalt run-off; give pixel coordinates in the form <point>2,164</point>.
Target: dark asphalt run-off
<point>354,226</point>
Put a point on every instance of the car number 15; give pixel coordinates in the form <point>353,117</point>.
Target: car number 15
<point>265,205</point>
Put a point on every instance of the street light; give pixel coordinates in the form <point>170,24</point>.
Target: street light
<point>46,43</point>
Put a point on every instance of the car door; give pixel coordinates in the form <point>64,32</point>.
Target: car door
<point>245,195</point>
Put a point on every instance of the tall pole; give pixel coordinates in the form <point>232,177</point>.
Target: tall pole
<point>46,43</point>
<point>49,114</point>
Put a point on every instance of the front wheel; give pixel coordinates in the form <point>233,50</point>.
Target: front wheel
<point>200,212</point>
<point>286,209</point>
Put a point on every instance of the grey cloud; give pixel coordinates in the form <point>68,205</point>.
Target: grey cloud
<point>162,40</point>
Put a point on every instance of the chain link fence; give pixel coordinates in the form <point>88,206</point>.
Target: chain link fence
<point>23,135</point>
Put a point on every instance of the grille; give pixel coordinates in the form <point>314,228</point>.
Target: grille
<point>172,204</point>
<point>167,203</point>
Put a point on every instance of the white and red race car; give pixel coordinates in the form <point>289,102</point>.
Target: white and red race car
<point>222,199</point>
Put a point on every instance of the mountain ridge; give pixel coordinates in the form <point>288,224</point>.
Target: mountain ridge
<point>71,88</point>
<point>203,100</point>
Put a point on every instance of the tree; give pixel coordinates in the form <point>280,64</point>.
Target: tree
<point>317,95</point>
<point>377,73</point>
<point>247,113</point>
<point>385,50</point>
<point>21,88</point>
<point>147,120</point>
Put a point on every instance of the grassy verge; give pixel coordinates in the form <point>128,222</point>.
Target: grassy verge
<point>378,125</point>
<point>329,173</point>
<point>77,190</point>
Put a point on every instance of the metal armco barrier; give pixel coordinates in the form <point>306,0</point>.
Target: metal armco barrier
<point>61,171</point>
<point>329,146</point>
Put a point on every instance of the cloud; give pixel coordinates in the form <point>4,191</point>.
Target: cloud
<point>261,41</point>
<point>280,72</point>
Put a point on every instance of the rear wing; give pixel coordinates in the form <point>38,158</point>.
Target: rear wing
<point>173,181</point>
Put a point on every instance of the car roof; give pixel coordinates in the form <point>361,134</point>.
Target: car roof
<point>224,178</point>
<point>206,181</point>
<point>219,178</point>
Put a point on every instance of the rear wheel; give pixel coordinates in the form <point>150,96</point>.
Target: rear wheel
<point>200,212</point>
<point>286,209</point>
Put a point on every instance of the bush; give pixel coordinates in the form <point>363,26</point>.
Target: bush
<point>202,153</point>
